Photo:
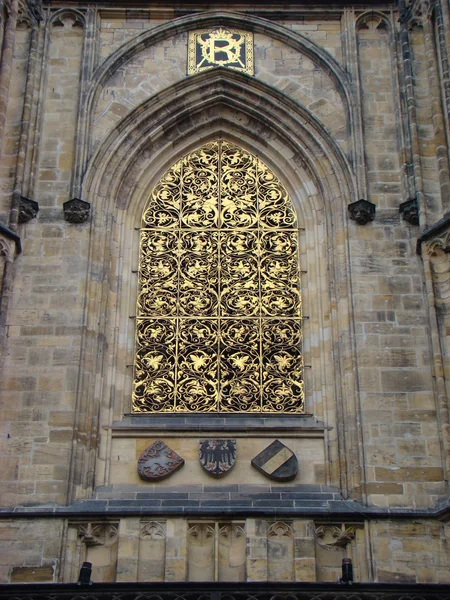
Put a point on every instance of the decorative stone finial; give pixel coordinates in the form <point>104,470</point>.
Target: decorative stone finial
<point>410,211</point>
<point>76,210</point>
<point>362,211</point>
<point>28,209</point>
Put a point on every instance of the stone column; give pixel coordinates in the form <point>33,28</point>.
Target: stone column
<point>443,27</point>
<point>6,64</point>
<point>10,247</point>
<point>87,66</point>
<point>436,263</point>
<point>356,118</point>
<point>25,127</point>
<point>439,125</point>
<point>408,77</point>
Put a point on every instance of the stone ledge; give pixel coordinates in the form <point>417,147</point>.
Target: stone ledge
<point>326,503</point>
<point>165,424</point>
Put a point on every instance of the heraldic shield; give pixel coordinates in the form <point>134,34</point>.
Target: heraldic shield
<point>277,462</point>
<point>217,457</point>
<point>158,461</point>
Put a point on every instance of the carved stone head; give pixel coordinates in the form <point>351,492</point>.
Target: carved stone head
<point>362,211</point>
<point>28,209</point>
<point>410,211</point>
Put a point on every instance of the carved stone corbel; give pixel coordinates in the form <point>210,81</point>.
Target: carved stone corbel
<point>410,211</point>
<point>28,209</point>
<point>362,211</point>
<point>76,210</point>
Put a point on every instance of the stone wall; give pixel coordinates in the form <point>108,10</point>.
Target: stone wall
<point>345,106</point>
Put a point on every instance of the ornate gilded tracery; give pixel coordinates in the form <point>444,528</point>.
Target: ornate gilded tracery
<point>219,322</point>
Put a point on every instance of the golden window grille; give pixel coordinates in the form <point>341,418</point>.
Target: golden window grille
<point>219,314</point>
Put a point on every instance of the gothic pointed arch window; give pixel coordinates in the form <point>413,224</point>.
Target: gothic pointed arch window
<point>219,314</point>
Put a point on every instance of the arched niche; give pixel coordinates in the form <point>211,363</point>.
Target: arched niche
<point>118,183</point>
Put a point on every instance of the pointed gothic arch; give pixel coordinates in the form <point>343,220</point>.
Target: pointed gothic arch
<point>118,182</point>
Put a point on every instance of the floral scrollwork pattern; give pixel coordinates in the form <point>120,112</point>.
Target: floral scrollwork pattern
<point>219,322</point>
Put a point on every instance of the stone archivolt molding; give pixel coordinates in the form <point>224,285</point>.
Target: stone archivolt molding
<point>215,18</point>
<point>319,56</point>
<point>236,94</point>
<point>224,103</point>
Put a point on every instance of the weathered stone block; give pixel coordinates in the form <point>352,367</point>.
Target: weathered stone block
<point>31,574</point>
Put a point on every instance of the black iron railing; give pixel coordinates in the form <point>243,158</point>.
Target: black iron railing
<point>224,591</point>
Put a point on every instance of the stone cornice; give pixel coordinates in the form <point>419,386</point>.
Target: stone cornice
<point>313,501</point>
<point>293,10</point>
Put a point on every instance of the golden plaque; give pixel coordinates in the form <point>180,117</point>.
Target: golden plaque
<point>220,48</point>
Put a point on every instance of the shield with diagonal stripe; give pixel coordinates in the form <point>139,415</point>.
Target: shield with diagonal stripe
<point>277,462</point>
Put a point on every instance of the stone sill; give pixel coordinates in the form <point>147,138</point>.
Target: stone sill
<point>240,425</point>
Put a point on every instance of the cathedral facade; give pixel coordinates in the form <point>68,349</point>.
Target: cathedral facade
<point>225,292</point>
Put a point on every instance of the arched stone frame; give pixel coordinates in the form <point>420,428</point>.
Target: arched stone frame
<point>51,18</point>
<point>383,21</point>
<point>218,103</point>
<point>319,56</point>
<point>66,13</point>
<point>383,24</point>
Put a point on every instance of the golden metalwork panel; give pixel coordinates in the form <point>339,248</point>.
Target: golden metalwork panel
<point>219,321</point>
<point>220,47</point>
